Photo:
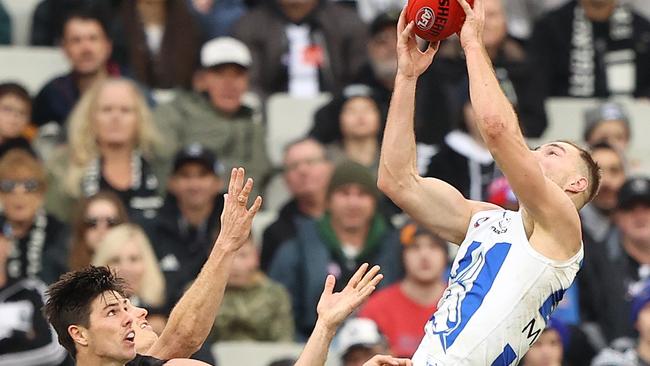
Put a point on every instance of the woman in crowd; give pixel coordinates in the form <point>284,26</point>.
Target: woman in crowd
<point>126,249</point>
<point>112,145</point>
<point>93,218</point>
<point>15,114</point>
<point>360,124</point>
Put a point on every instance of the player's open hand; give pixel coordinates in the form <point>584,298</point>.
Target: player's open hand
<point>411,62</point>
<point>383,360</point>
<point>236,217</point>
<point>334,307</point>
<point>471,34</point>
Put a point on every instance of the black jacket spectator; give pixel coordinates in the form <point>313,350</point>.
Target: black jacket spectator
<point>563,40</point>
<point>337,47</point>
<point>283,229</point>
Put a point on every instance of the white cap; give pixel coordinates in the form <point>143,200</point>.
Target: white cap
<point>357,332</point>
<point>225,50</point>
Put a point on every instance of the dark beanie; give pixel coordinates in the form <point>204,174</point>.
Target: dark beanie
<point>349,172</point>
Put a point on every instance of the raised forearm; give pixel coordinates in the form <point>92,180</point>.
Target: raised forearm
<point>192,318</point>
<point>315,351</point>
<point>494,111</point>
<point>398,156</point>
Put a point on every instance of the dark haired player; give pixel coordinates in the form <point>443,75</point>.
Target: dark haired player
<point>512,268</point>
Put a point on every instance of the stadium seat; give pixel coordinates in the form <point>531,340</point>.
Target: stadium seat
<point>20,12</point>
<point>262,220</point>
<point>31,66</point>
<point>289,118</point>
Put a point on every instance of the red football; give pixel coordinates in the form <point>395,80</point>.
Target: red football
<point>436,20</point>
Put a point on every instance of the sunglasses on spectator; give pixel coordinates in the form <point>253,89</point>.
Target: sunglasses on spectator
<point>8,185</point>
<point>93,222</point>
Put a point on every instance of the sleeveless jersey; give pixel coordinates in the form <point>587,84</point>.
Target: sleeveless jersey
<point>500,295</point>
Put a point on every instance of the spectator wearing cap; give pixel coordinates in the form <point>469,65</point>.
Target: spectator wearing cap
<point>358,340</point>
<point>351,232</point>
<point>38,247</point>
<point>592,49</point>
<point>631,352</point>
<point>87,46</point>
<point>302,47</point>
<point>360,125</point>
<point>609,123</point>
<point>219,119</point>
<point>306,171</point>
<point>188,223</point>
<point>158,42</point>
<point>402,309</point>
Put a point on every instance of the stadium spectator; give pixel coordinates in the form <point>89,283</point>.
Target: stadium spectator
<point>513,67</point>
<point>254,308</point>
<point>217,17</point>
<point>126,249</point>
<point>87,46</point>
<point>350,233</point>
<point>38,246</point>
<point>26,338</point>
<point>219,119</point>
<point>626,352</point>
<point>91,220</point>
<point>401,310</point>
<point>522,15</point>
<point>5,26</point>
<point>548,349</point>
<point>360,124</point>
<point>49,16</point>
<point>15,112</point>
<point>599,48</point>
<point>186,226</point>
<point>358,340</point>
<point>302,47</point>
<point>112,145</point>
<point>609,123</point>
<point>306,171</point>
<point>158,42</point>
<point>463,160</point>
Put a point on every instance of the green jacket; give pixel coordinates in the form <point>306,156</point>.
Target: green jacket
<point>238,140</point>
<point>261,312</point>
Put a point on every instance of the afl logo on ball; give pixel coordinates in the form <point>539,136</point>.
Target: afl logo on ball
<point>424,18</point>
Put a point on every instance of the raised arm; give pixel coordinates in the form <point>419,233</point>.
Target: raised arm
<point>332,310</point>
<point>544,200</point>
<point>434,203</point>
<point>192,318</point>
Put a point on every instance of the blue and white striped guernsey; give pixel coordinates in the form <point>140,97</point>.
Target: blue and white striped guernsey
<point>500,295</point>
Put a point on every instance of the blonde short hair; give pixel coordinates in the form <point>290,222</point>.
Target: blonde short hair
<point>152,287</point>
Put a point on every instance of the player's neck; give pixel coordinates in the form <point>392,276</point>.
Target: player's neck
<point>94,360</point>
<point>643,350</point>
<point>423,293</point>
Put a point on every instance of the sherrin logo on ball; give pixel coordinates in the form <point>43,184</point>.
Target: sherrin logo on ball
<point>436,20</point>
<point>425,18</point>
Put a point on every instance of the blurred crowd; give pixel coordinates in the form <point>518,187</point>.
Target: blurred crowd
<point>123,162</point>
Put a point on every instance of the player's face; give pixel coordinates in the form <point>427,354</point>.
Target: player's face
<point>559,162</point>
<point>612,132</point>
<point>145,336</point>
<point>359,119</point>
<point>612,178</point>
<point>86,45</point>
<point>195,186</point>
<point>306,171</point>
<point>424,260</point>
<point>634,222</point>
<point>226,85</point>
<point>110,334</point>
<point>351,207</point>
<point>547,351</point>
<point>116,118</point>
